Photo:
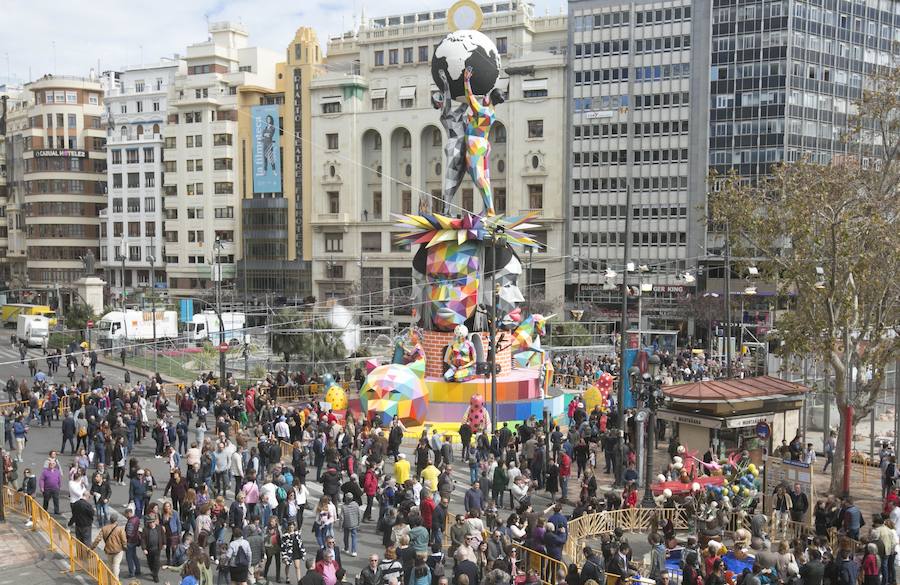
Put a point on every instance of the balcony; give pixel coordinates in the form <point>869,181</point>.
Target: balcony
<point>146,138</point>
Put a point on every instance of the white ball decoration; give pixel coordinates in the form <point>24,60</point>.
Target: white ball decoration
<point>667,493</point>
<point>695,487</point>
<point>660,477</point>
<point>681,449</point>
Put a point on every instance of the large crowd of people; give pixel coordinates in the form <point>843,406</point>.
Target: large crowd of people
<point>237,504</point>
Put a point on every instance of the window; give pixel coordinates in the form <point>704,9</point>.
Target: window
<point>134,229</point>
<point>140,106</point>
<point>134,253</point>
<point>134,180</point>
<point>155,106</point>
<point>73,120</point>
<point>221,139</point>
<point>117,205</point>
<point>224,212</point>
<point>195,236</point>
<point>198,141</point>
<point>371,241</point>
<point>134,205</point>
<point>535,196</point>
<point>116,157</point>
<point>393,56</point>
<point>467,199</point>
<point>331,141</point>
<point>225,236</point>
<point>138,87</point>
<point>334,242</point>
<point>189,141</point>
<point>334,271</point>
<point>169,142</point>
<point>376,204</point>
<point>408,96</point>
<point>406,202</point>
<point>148,155</point>
<point>379,58</point>
<point>195,213</point>
<point>500,200</point>
<point>149,204</point>
<point>222,188</point>
<point>170,237</point>
<point>334,202</point>
<point>501,45</point>
<point>535,128</point>
<point>406,141</point>
<point>407,54</point>
<point>378,103</point>
<point>149,180</point>
<point>331,107</point>
<point>423,54</point>
<point>131,156</point>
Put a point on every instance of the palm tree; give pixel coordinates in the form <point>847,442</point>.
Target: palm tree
<point>294,335</point>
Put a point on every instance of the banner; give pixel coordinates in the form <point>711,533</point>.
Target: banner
<point>266,155</point>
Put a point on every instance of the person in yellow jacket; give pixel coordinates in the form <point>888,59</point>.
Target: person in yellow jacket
<point>401,469</point>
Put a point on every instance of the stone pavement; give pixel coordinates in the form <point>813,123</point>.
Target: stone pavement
<point>26,557</point>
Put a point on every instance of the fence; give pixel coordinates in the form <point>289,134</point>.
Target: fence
<point>81,557</point>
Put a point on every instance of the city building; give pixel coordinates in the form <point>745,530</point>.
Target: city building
<point>202,162</point>
<point>8,96</point>
<point>662,93</point>
<point>132,223</point>
<point>638,116</point>
<point>377,151</point>
<point>275,252</point>
<point>56,175</point>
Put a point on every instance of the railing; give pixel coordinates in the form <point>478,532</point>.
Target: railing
<point>80,556</point>
<point>24,405</point>
<point>531,560</point>
<point>631,519</point>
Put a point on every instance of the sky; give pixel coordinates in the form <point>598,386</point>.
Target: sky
<point>69,37</point>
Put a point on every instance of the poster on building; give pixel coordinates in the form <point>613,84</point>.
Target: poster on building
<point>266,155</point>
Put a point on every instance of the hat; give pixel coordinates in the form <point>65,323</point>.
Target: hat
<point>401,456</point>
<point>130,508</point>
<point>140,472</point>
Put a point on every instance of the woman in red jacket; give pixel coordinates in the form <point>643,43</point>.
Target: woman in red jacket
<point>630,497</point>
<point>370,487</point>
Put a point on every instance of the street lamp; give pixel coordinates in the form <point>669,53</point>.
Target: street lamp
<point>218,280</point>
<point>649,390</point>
<point>152,261</point>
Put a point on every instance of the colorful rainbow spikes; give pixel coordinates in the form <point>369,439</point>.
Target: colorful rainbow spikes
<point>432,229</point>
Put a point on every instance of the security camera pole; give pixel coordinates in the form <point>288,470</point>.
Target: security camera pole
<point>623,327</point>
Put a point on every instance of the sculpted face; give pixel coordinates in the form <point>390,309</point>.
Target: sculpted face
<point>451,273</point>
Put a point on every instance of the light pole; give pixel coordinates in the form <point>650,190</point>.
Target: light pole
<point>496,240</point>
<point>623,327</point>
<point>218,280</point>
<point>152,261</point>
<point>124,295</point>
<point>651,394</point>
<point>727,300</point>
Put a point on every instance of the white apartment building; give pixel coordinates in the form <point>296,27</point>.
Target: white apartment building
<point>202,164</point>
<point>378,149</point>
<point>131,224</point>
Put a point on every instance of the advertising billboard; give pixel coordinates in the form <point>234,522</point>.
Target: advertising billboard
<point>266,155</point>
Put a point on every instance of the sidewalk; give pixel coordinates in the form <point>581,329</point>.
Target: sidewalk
<point>26,558</point>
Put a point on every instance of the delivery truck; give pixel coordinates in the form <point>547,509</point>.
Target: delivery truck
<point>33,330</point>
<point>205,327</point>
<point>117,327</point>
<point>9,313</point>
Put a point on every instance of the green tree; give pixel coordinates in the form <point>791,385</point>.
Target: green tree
<point>569,335</point>
<point>78,315</point>
<point>826,235</point>
<point>309,339</point>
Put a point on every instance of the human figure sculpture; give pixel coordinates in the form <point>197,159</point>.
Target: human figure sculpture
<point>89,260</point>
<point>478,146</point>
<point>477,417</point>
<point>411,348</point>
<point>453,119</point>
<point>460,356</point>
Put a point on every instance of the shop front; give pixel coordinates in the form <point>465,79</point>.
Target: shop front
<point>755,414</point>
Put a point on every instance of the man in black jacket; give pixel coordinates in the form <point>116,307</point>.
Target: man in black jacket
<point>68,434</point>
<point>312,577</point>
<point>82,518</point>
<point>593,567</point>
<point>813,572</point>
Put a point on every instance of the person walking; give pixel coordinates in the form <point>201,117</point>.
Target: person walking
<point>20,432</point>
<point>350,522</point>
<point>82,518</point>
<point>114,543</point>
<point>239,557</point>
<point>133,541</point>
<point>153,540</point>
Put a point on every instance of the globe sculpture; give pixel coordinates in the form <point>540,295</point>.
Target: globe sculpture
<point>461,49</point>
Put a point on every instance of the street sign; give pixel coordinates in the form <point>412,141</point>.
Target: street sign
<point>223,347</point>
<point>90,324</point>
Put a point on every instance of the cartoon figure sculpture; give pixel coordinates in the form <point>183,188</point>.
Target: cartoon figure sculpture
<point>477,416</point>
<point>478,145</point>
<point>453,119</point>
<point>408,351</point>
<point>448,258</point>
<point>526,346</point>
<point>394,389</point>
<point>460,356</point>
<point>337,398</point>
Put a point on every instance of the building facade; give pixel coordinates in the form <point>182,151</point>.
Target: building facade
<point>8,96</point>
<point>378,141</point>
<point>202,163</point>
<point>664,92</point>
<point>132,223</point>
<point>638,120</point>
<point>275,253</point>
<point>56,173</point>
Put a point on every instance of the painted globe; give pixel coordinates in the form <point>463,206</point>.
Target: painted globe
<point>394,389</point>
<point>466,48</point>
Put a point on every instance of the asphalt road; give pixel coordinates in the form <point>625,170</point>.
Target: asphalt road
<point>41,440</point>
<point>12,365</point>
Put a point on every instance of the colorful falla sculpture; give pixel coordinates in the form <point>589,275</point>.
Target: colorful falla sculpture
<point>456,251</point>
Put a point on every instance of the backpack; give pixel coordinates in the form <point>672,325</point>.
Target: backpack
<point>241,558</point>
